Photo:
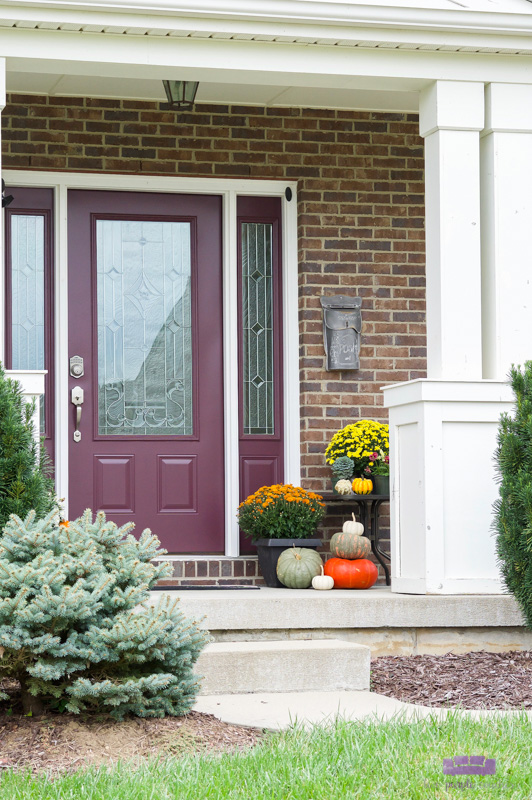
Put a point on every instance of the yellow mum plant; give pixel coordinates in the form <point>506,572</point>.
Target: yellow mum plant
<point>360,441</point>
<point>281,511</point>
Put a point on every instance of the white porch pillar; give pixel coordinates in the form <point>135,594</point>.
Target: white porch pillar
<point>451,115</point>
<point>506,158</point>
<point>2,249</point>
<point>443,429</point>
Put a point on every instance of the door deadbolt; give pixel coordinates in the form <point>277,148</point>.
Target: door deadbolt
<point>76,367</point>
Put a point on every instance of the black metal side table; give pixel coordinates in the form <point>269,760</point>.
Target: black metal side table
<point>367,508</point>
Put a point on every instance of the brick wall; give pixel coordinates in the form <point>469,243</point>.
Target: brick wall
<point>361,217</point>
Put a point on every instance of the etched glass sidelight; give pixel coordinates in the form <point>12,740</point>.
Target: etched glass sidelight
<point>27,295</point>
<point>257,328</point>
<point>144,328</point>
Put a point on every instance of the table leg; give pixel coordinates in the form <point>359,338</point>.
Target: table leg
<point>362,513</point>
<point>376,550</point>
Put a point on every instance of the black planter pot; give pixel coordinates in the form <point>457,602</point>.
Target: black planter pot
<point>269,550</point>
<point>381,484</point>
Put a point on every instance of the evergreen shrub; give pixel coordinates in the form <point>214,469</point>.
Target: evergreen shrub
<point>513,509</point>
<point>71,632</point>
<point>25,484</point>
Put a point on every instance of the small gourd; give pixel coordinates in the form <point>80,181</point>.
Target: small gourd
<point>352,526</point>
<point>362,486</point>
<point>343,487</point>
<point>296,567</point>
<point>323,581</point>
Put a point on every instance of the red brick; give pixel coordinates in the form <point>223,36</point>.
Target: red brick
<point>361,227</point>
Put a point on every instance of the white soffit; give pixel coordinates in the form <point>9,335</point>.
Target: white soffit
<point>375,99</point>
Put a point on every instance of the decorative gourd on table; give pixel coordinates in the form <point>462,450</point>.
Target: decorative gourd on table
<point>297,566</point>
<point>350,545</point>
<point>347,574</point>
<point>362,486</point>
<point>322,582</point>
<point>352,526</point>
<point>343,487</point>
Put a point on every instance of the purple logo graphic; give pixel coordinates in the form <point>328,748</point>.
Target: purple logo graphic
<point>469,765</point>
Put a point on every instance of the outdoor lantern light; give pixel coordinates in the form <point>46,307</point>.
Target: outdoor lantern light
<point>181,94</point>
<point>7,199</point>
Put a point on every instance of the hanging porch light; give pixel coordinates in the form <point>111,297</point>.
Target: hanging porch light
<point>181,94</point>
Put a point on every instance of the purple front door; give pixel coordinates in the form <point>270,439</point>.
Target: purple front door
<point>145,315</point>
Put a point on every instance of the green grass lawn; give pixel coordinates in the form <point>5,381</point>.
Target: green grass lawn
<point>350,760</point>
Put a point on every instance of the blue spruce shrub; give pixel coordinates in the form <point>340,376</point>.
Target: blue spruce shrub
<point>75,630</point>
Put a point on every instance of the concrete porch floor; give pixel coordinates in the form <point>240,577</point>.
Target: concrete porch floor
<point>388,623</point>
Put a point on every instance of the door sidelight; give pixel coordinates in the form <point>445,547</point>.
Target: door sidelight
<point>77,400</point>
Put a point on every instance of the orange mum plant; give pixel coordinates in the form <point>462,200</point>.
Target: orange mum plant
<point>280,512</point>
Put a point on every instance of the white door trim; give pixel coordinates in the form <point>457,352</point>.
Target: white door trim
<point>229,189</point>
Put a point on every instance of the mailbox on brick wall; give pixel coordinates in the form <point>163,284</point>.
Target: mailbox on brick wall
<point>342,324</point>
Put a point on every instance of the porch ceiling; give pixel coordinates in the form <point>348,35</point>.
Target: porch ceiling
<point>361,98</point>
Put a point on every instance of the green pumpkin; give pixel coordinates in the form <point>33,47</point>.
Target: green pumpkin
<point>297,566</point>
<point>350,545</point>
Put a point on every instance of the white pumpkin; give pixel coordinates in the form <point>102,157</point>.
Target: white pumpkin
<point>322,582</point>
<point>352,526</point>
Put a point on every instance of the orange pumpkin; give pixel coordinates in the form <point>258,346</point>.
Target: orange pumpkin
<point>359,574</point>
<point>362,486</point>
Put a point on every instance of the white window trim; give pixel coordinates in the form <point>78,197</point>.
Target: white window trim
<point>228,189</point>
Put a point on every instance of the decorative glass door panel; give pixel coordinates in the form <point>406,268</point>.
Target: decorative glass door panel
<point>29,292</point>
<point>257,328</point>
<point>260,345</point>
<point>144,328</point>
<point>145,317</point>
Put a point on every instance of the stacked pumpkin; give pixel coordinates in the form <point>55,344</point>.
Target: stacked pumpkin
<point>350,568</point>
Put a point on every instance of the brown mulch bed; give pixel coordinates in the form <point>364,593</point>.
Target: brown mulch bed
<point>469,680</point>
<point>59,743</point>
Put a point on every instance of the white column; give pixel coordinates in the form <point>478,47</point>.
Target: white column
<point>443,429</point>
<point>506,161</point>
<point>451,115</point>
<point>2,249</point>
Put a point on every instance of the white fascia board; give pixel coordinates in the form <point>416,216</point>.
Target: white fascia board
<point>320,13</point>
<point>357,24</point>
<point>250,62</point>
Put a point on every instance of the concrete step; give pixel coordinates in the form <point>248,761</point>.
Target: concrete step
<point>389,623</point>
<point>325,665</point>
